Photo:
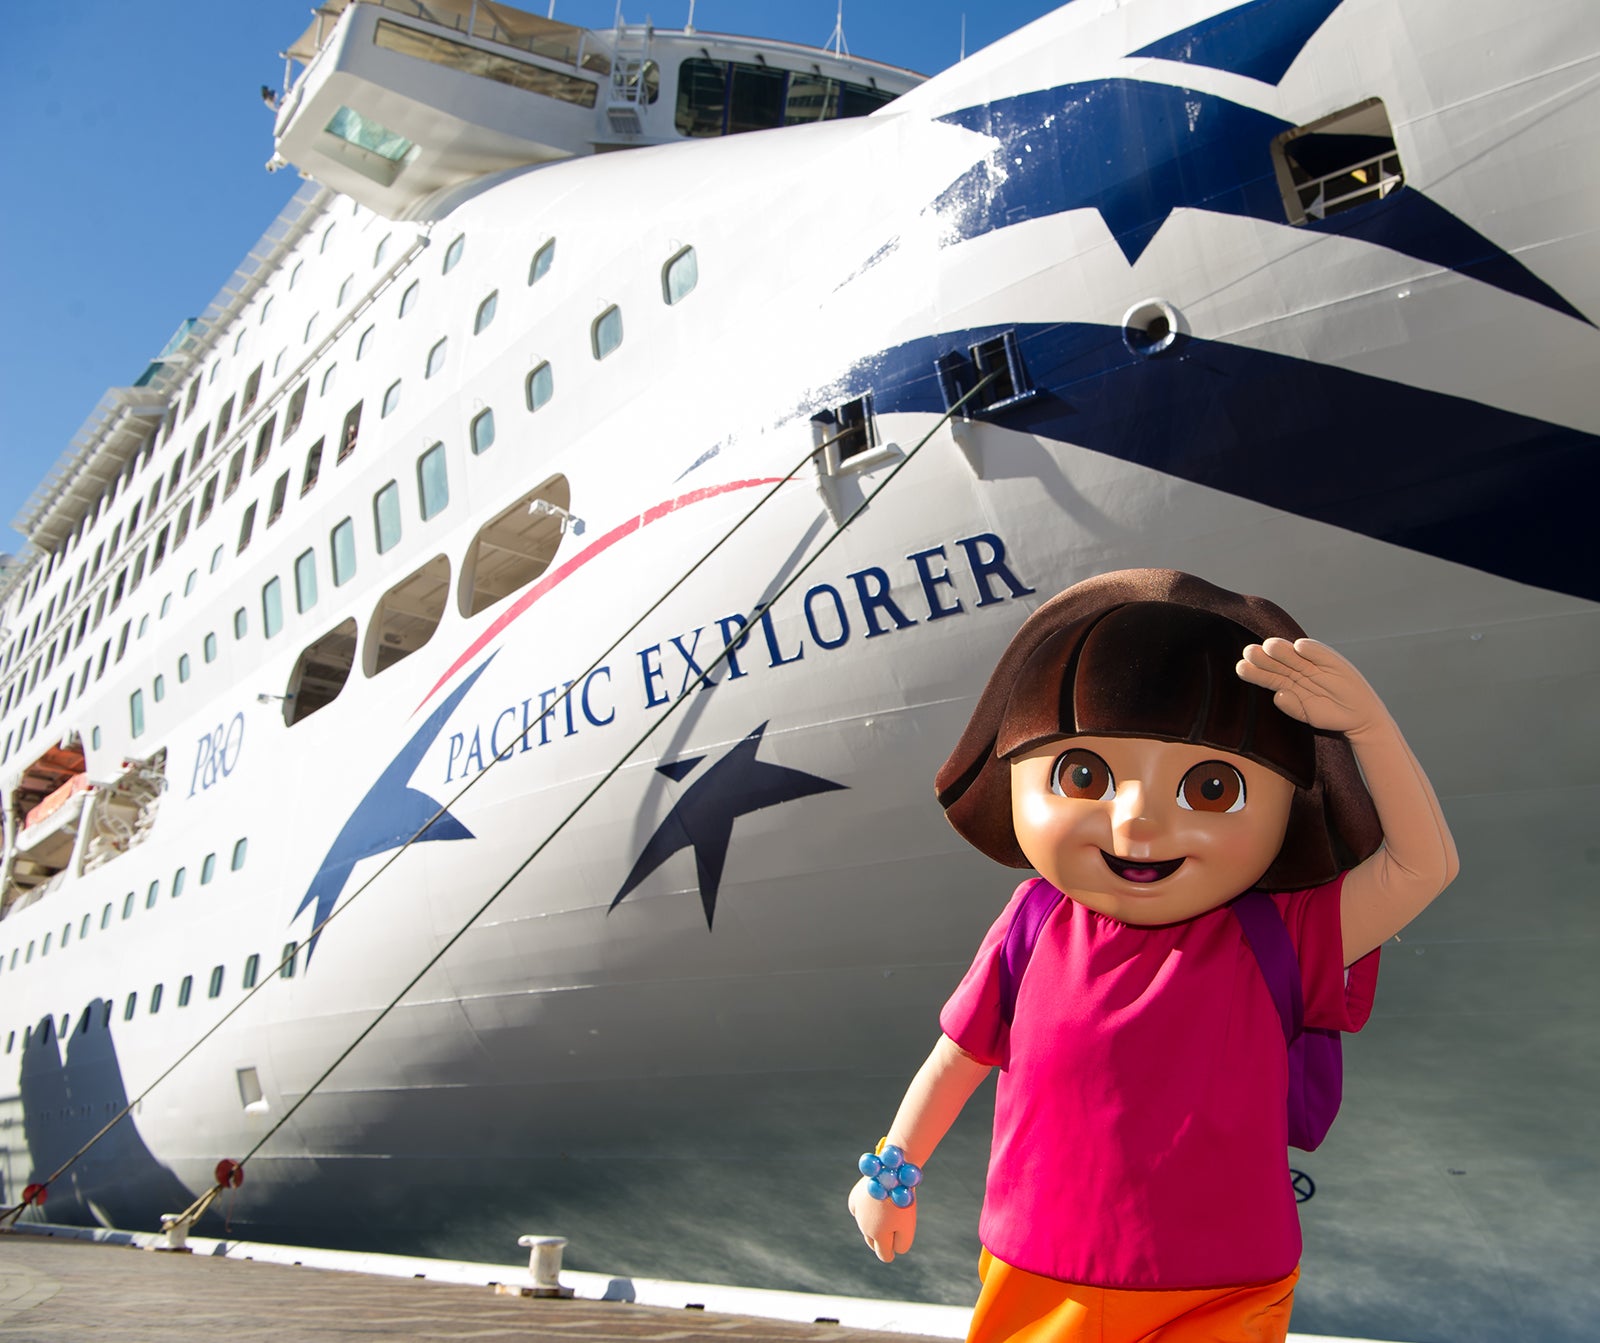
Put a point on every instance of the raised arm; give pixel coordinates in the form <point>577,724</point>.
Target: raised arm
<point>933,1100</point>
<point>1417,859</point>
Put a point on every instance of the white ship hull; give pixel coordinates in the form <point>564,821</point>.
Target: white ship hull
<point>1392,447</point>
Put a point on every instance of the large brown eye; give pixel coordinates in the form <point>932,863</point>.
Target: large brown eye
<point>1082,774</point>
<point>1211,786</point>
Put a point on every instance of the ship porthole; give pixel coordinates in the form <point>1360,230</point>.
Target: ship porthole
<point>1151,328</point>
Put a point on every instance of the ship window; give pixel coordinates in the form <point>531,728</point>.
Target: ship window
<point>386,517</point>
<point>183,667</point>
<point>344,291</point>
<point>327,236</point>
<point>311,326</point>
<point>433,483</point>
<point>83,928</point>
<point>502,69</point>
<point>263,444</point>
<point>376,151</point>
<point>188,401</point>
<point>679,276</point>
<point>391,399</point>
<point>178,879</point>
<point>239,849</point>
<point>252,388</point>
<point>305,581</point>
<point>252,967</point>
<point>453,254</point>
<point>271,607</point>
<point>485,312</point>
<point>235,474</point>
<point>127,905</point>
<point>539,267</point>
<point>406,616</point>
<point>327,380</point>
<point>382,250</point>
<point>286,961</point>
<point>247,525</point>
<point>172,481</point>
<point>482,432</point>
<point>297,409</point>
<point>208,869</point>
<point>139,563</point>
<point>321,672</point>
<point>756,101</point>
<point>280,492</point>
<point>352,430</point>
<point>48,938</point>
<point>159,688</point>
<point>241,623</point>
<point>209,647</point>
<point>166,605</point>
<point>408,300</point>
<point>1337,163</point>
<point>342,552</point>
<point>294,276</point>
<point>155,999</point>
<point>199,450</point>
<point>606,332</point>
<point>313,467</point>
<point>365,343</point>
<point>224,419</point>
<point>513,548</point>
<point>152,895</point>
<point>436,358</point>
<point>184,990</point>
<point>188,583</point>
<point>129,1006</point>
<point>136,711</point>
<point>277,361</point>
<point>214,989</point>
<point>216,559</point>
<point>541,385</point>
<point>105,922</point>
<point>208,500</point>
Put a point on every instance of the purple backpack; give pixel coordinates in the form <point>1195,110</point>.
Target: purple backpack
<point>1316,1064</point>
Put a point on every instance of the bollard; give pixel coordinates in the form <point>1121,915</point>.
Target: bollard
<point>544,1267</point>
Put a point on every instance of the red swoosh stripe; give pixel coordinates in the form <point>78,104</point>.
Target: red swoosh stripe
<point>623,529</point>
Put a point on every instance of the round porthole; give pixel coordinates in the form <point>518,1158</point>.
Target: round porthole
<point>1150,327</point>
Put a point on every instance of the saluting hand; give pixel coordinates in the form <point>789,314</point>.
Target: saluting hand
<point>1313,683</point>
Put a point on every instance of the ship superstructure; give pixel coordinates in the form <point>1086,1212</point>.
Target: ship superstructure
<point>1257,307</point>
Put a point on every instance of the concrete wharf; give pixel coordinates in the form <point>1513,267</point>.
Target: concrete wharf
<point>66,1288</point>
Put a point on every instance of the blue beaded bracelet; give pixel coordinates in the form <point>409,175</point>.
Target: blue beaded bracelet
<point>889,1175</point>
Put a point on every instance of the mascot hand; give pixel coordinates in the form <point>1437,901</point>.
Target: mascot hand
<point>888,1230</point>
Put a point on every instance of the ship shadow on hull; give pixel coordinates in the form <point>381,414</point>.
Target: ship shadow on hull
<point>66,1099</point>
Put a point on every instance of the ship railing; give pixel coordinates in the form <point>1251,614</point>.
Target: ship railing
<point>1349,187</point>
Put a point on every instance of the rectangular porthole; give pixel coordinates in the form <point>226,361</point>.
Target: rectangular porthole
<point>1337,163</point>
<point>251,1097</point>
<point>991,374</point>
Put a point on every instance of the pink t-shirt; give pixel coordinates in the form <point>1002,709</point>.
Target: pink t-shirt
<point>1140,1132</point>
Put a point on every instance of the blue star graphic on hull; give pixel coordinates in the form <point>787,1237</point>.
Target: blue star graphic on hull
<point>1136,152</point>
<point>703,817</point>
<point>389,815</point>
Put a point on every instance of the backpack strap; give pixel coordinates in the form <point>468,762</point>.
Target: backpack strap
<point>1274,952</point>
<point>1027,922</point>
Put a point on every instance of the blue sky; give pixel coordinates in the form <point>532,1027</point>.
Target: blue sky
<point>132,160</point>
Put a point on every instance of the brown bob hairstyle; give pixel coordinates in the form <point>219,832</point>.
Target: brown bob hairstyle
<point>1151,653</point>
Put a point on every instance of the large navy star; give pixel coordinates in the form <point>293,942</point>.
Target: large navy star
<point>703,817</point>
<point>387,817</point>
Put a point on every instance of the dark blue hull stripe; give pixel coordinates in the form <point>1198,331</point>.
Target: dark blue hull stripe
<point>1501,492</point>
<point>1259,40</point>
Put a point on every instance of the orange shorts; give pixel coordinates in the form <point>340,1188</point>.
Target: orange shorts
<point>1020,1307</point>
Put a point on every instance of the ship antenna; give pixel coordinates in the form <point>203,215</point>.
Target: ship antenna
<point>836,42</point>
<point>689,27</point>
<point>963,55</point>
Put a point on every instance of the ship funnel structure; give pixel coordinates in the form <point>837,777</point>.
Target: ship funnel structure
<point>397,102</point>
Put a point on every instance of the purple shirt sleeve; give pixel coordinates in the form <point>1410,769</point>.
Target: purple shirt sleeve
<point>1335,999</point>
<point>972,1017</point>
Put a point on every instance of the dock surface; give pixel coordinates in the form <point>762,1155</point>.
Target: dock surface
<point>65,1289</point>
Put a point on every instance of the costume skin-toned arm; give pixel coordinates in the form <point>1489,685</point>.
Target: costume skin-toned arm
<point>933,1100</point>
<point>1417,859</point>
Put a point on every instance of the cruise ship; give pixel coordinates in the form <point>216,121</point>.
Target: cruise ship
<point>467,740</point>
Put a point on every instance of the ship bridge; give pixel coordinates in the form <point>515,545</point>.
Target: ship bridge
<point>398,101</point>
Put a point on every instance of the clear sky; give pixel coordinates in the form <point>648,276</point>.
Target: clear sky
<point>132,152</point>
